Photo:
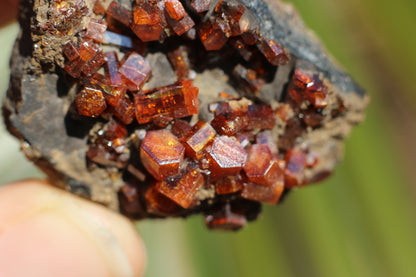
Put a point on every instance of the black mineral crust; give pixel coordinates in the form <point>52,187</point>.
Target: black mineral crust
<point>39,107</point>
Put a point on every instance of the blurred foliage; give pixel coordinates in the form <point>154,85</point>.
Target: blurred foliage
<point>362,221</point>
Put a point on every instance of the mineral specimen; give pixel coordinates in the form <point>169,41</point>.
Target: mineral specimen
<point>213,107</point>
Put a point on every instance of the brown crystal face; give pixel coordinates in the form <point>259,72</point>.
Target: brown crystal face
<point>226,156</point>
<point>294,172</point>
<point>182,189</point>
<point>212,37</point>
<point>136,70</point>
<point>270,194</point>
<point>229,184</point>
<point>161,153</point>
<point>187,106</point>
<point>158,204</point>
<point>177,101</point>
<point>90,102</point>
<point>273,52</point>
<point>261,168</point>
<point>147,22</point>
<point>202,135</point>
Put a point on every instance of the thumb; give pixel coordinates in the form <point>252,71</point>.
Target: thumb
<point>47,232</point>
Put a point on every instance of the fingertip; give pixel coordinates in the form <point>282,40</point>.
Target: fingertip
<point>46,230</point>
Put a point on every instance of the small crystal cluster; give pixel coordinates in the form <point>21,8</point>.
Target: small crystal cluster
<point>176,164</point>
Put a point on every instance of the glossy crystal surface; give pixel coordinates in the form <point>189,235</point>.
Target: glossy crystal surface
<point>227,156</point>
<point>161,153</point>
<point>178,101</point>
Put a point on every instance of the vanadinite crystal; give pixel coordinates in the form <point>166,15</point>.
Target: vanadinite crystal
<point>182,188</point>
<point>96,30</point>
<point>229,184</point>
<point>202,134</point>
<point>171,107</point>
<point>135,69</point>
<point>108,147</point>
<point>260,166</point>
<point>90,102</point>
<point>273,52</point>
<point>161,153</point>
<point>147,22</point>
<point>227,156</point>
<point>178,100</point>
<point>212,37</point>
<point>294,172</point>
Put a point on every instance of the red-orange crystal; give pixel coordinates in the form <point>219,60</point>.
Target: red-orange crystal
<point>273,52</point>
<point>202,134</point>
<point>301,79</point>
<point>260,117</point>
<point>230,123</point>
<point>90,102</point>
<point>181,129</point>
<point>229,184</point>
<point>226,156</point>
<point>181,26</point>
<point>158,204</point>
<point>212,36</point>
<point>307,87</point>
<point>124,110</point>
<point>175,9</point>
<point>178,100</point>
<point>260,166</point>
<point>147,22</point>
<point>161,153</point>
<point>94,64</point>
<point>270,194</point>
<point>232,13</point>
<point>96,30</point>
<point>180,62</point>
<point>317,93</point>
<point>108,146</point>
<point>294,173</point>
<point>183,188</point>
<point>87,50</point>
<point>112,94</point>
<point>70,51</point>
<point>161,120</point>
<point>98,7</point>
<point>250,37</point>
<point>119,13</point>
<point>115,130</point>
<point>87,58</point>
<point>129,200</point>
<point>136,70</point>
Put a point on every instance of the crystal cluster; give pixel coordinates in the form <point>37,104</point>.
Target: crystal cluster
<point>173,162</point>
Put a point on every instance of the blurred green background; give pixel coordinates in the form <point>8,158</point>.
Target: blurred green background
<point>362,221</point>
